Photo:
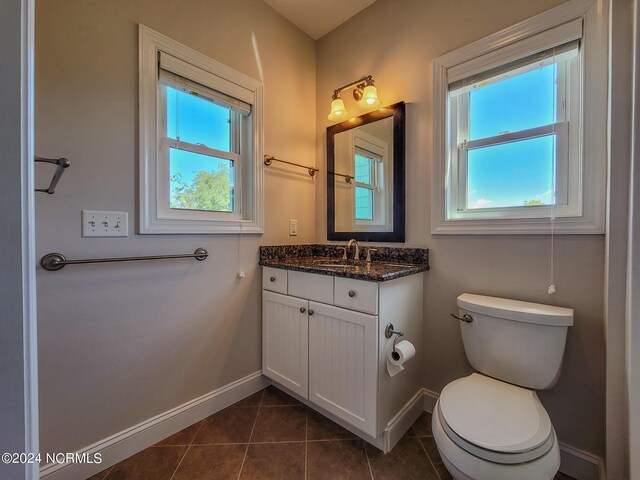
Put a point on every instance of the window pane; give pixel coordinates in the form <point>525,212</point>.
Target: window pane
<point>363,169</point>
<point>518,103</point>
<point>196,120</point>
<point>512,175</point>
<point>364,204</point>
<point>201,182</point>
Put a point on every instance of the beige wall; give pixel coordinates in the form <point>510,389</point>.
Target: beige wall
<point>395,41</point>
<point>121,343</point>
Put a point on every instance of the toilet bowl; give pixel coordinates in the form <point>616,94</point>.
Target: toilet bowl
<point>491,425</point>
<point>486,429</point>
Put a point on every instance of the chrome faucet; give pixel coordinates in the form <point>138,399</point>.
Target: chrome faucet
<point>356,255</point>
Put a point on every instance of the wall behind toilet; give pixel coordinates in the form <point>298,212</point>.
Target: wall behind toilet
<point>395,41</point>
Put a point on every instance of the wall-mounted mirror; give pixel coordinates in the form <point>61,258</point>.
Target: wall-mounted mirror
<point>365,177</point>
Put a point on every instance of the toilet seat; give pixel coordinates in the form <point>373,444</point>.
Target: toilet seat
<point>494,420</point>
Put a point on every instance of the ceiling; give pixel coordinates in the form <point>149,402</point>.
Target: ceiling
<point>318,17</point>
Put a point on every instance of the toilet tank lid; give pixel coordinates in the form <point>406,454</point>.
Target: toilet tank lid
<point>516,310</point>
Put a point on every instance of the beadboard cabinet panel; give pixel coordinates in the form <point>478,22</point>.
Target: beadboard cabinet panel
<point>285,333</point>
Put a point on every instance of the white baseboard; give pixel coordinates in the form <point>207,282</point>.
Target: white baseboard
<point>574,462</point>
<point>580,464</point>
<point>122,445</point>
<point>403,420</point>
<point>430,399</point>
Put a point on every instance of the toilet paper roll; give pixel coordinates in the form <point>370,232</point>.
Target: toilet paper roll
<point>403,353</point>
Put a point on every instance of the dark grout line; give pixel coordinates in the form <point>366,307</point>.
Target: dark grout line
<point>109,470</point>
<point>255,420</point>
<point>366,454</point>
<point>278,442</point>
<point>180,462</point>
<point>424,449</point>
<point>188,448</point>
<point>306,442</point>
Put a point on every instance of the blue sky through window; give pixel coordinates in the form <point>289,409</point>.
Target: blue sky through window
<point>509,174</point>
<point>196,120</point>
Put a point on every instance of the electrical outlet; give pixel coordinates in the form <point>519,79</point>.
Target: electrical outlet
<point>293,228</point>
<point>105,224</point>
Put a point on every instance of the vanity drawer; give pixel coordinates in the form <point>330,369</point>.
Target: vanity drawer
<point>311,286</point>
<point>274,279</point>
<point>356,295</point>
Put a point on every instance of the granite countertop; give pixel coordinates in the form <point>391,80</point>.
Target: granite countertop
<point>387,263</point>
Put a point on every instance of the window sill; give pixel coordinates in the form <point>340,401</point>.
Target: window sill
<point>182,227</point>
<point>542,226</point>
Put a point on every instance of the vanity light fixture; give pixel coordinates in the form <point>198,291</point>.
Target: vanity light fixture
<point>364,92</point>
<point>338,110</point>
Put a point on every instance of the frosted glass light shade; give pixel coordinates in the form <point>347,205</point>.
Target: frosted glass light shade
<point>338,110</point>
<point>369,97</point>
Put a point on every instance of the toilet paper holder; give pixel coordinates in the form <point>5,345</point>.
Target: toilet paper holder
<point>389,331</point>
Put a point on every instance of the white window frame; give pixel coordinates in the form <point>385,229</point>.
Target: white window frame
<point>155,215</point>
<point>581,202</point>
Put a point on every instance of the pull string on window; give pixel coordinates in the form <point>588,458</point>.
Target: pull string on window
<point>551,290</point>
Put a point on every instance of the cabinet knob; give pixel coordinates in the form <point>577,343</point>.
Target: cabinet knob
<point>272,279</point>
<point>302,309</point>
<point>310,312</point>
<point>352,293</point>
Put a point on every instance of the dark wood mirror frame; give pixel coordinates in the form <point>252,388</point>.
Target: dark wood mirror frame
<point>397,111</point>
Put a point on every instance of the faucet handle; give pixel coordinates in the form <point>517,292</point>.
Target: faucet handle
<point>344,252</point>
<point>369,250</point>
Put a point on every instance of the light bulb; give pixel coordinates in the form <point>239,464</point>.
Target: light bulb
<point>369,97</point>
<point>338,110</point>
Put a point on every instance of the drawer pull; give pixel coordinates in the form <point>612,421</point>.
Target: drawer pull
<point>352,293</point>
<point>272,279</point>
<point>302,309</point>
<point>310,312</point>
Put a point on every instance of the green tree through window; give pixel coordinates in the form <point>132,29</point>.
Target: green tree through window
<point>209,190</point>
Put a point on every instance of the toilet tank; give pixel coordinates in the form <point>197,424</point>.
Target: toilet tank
<point>517,342</point>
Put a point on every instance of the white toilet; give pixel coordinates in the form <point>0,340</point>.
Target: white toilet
<point>491,425</point>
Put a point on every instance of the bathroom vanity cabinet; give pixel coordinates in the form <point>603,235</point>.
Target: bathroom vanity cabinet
<point>324,341</point>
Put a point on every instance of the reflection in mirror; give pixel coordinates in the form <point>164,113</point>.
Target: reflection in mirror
<point>366,201</point>
<point>363,181</point>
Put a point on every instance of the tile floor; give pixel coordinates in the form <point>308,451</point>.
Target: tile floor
<point>270,435</point>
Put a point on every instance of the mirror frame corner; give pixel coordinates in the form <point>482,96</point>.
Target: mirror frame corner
<point>397,111</point>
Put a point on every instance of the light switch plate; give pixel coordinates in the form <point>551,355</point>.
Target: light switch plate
<point>293,228</point>
<point>105,224</point>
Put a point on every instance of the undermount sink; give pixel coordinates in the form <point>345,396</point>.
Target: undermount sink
<point>336,265</point>
<point>353,264</point>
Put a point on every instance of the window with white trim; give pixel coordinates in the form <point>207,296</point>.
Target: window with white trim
<point>200,142</point>
<point>521,135</point>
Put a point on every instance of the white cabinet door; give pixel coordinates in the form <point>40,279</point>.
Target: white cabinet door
<point>285,341</point>
<point>343,364</point>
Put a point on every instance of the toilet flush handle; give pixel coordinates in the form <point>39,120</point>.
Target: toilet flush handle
<point>464,318</point>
